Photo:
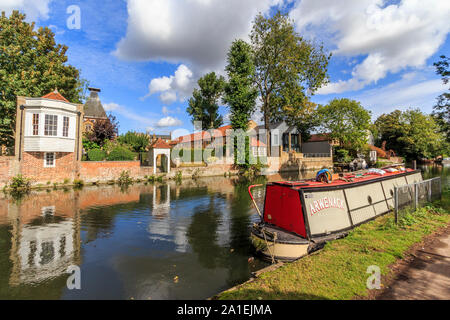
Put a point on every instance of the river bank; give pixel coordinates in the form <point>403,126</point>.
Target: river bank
<point>339,270</point>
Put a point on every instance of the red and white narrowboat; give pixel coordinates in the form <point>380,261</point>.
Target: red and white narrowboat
<point>299,217</point>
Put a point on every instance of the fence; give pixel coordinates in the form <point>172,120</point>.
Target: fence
<point>412,196</point>
<point>317,155</point>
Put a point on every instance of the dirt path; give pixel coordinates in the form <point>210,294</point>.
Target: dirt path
<point>426,276</point>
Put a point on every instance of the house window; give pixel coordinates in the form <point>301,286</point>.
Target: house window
<point>295,142</point>
<point>65,126</point>
<point>286,142</point>
<point>35,124</point>
<point>51,125</point>
<point>49,160</point>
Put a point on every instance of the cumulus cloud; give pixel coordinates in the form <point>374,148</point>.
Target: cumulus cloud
<point>34,9</point>
<point>413,90</point>
<point>392,37</point>
<point>196,32</point>
<point>173,88</point>
<point>140,120</point>
<point>168,122</point>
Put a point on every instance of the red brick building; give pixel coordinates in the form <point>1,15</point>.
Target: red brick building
<point>48,137</point>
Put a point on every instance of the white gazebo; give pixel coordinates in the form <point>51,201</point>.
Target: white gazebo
<point>159,147</point>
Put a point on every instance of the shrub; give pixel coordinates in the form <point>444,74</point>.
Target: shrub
<point>120,154</point>
<point>179,177</point>
<point>96,155</point>
<point>125,178</point>
<point>20,183</point>
<point>78,183</point>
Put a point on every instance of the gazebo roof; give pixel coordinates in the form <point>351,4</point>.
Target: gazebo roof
<point>160,144</point>
<point>55,95</point>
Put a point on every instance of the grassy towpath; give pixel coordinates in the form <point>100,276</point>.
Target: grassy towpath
<point>339,270</point>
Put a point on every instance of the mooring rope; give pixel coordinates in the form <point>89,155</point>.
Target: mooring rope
<point>272,253</point>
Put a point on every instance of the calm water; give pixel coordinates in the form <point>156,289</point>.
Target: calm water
<point>187,241</point>
<point>129,243</point>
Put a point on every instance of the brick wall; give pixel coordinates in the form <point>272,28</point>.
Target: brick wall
<point>8,168</point>
<point>92,171</point>
<point>32,167</point>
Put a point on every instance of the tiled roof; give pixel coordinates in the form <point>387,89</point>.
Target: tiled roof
<point>320,137</point>
<point>160,144</point>
<point>204,135</point>
<point>55,95</point>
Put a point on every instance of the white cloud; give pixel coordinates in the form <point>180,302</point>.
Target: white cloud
<point>173,88</point>
<point>168,122</point>
<point>393,37</point>
<point>165,110</point>
<point>196,32</point>
<point>412,91</point>
<point>34,9</point>
<point>141,121</point>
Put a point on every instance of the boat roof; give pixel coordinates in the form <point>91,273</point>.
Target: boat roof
<point>351,179</point>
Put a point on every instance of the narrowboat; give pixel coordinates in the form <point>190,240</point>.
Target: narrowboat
<point>299,217</point>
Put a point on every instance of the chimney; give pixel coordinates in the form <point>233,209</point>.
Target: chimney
<point>94,93</point>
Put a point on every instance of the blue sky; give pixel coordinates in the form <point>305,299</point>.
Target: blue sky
<point>146,55</point>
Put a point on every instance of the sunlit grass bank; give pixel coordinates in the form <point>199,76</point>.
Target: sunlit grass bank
<point>338,271</point>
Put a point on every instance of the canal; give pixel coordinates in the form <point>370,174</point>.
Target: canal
<point>162,241</point>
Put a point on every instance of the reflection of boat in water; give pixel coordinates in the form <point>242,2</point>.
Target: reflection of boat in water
<point>300,217</point>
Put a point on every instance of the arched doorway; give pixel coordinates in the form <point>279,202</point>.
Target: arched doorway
<point>160,156</point>
<point>162,163</point>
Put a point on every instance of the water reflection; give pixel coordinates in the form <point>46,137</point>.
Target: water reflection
<point>162,241</point>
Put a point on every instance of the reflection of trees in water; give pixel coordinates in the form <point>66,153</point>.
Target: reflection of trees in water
<point>237,261</point>
<point>202,235</point>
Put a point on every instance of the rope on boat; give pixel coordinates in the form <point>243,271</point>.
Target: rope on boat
<point>274,237</point>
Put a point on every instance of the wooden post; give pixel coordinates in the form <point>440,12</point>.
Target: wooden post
<point>414,164</point>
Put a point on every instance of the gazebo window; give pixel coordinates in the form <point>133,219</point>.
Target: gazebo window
<point>35,124</point>
<point>51,125</point>
<point>66,127</point>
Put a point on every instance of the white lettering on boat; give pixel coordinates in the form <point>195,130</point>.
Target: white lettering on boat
<point>326,203</point>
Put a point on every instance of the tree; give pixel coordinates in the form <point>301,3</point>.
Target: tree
<point>302,116</point>
<point>346,121</point>
<point>421,138</point>
<point>390,129</point>
<point>203,106</point>
<point>31,64</point>
<point>288,68</point>
<point>240,94</point>
<point>138,141</point>
<point>441,111</point>
<point>104,130</point>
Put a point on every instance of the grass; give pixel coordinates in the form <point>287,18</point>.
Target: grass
<point>338,271</point>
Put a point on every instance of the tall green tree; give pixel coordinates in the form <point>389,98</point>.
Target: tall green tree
<point>240,93</point>
<point>441,111</point>
<point>288,68</point>
<point>204,104</point>
<point>347,121</point>
<point>390,129</point>
<point>422,138</point>
<point>412,134</point>
<point>31,64</point>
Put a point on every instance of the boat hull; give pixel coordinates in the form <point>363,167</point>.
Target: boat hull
<point>273,249</point>
<point>304,215</point>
